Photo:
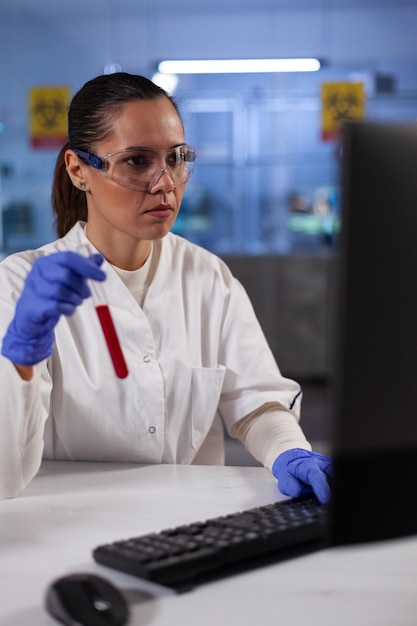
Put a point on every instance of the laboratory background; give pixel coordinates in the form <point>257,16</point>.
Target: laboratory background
<point>265,194</point>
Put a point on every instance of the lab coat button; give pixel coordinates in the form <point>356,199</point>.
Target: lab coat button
<point>146,358</point>
<point>151,430</point>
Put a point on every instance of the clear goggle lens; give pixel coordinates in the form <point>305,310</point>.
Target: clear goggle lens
<point>141,168</point>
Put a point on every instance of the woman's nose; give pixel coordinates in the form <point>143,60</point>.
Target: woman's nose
<point>163,179</point>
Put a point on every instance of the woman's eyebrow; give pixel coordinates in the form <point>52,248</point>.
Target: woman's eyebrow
<point>178,145</point>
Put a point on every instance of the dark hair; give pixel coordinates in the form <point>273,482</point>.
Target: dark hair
<point>91,115</point>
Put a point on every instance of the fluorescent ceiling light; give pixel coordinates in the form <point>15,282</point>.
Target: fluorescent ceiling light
<point>238,66</point>
<point>169,82</point>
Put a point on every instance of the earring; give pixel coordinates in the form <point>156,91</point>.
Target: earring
<point>81,186</point>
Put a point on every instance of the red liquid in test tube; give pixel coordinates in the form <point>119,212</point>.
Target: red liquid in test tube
<point>112,340</point>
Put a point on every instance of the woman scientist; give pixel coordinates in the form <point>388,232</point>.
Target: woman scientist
<point>194,355</point>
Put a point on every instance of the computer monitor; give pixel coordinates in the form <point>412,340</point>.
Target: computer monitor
<point>375,347</point>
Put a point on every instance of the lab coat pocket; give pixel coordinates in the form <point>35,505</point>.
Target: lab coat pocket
<point>207,385</point>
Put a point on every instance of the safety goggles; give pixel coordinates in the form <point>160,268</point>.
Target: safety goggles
<point>141,168</point>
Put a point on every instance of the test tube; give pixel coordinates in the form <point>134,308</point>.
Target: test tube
<point>112,340</point>
<point>109,330</point>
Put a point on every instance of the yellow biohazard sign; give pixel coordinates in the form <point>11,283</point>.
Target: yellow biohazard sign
<point>341,102</point>
<point>48,116</point>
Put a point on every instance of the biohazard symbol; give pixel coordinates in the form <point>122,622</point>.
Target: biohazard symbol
<point>342,102</point>
<point>48,116</point>
<point>48,113</point>
<point>344,105</point>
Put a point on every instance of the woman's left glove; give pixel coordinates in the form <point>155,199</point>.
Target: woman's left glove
<point>300,472</point>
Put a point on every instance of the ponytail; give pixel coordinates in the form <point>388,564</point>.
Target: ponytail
<point>68,203</point>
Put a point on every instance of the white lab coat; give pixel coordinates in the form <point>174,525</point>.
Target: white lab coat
<point>196,357</point>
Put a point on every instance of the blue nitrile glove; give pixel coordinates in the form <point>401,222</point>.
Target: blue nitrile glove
<point>55,286</point>
<point>300,472</point>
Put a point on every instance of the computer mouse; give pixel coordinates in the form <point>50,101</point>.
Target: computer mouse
<point>86,599</point>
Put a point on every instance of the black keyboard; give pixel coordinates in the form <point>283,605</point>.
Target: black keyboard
<point>189,555</point>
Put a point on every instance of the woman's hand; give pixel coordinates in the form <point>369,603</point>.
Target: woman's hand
<point>55,286</point>
<point>300,472</point>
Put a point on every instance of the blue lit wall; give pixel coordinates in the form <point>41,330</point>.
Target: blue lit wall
<point>274,118</point>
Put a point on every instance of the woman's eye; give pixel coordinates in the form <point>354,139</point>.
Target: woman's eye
<point>175,158</point>
<point>139,160</point>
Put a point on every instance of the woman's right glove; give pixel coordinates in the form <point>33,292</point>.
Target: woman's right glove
<point>55,286</point>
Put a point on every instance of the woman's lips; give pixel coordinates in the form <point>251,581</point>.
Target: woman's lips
<point>162,211</point>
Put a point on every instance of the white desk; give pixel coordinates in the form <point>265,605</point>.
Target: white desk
<point>70,508</point>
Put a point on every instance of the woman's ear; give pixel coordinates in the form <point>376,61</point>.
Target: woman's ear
<point>75,168</point>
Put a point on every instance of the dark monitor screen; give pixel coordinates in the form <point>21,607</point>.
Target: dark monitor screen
<point>375,355</point>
